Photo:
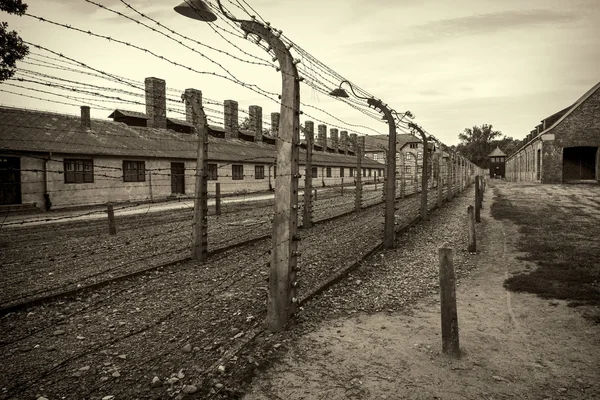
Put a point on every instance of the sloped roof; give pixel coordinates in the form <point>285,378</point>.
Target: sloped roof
<point>37,131</point>
<point>497,153</point>
<point>574,107</point>
<point>563,114</point>
<point>126,113</point>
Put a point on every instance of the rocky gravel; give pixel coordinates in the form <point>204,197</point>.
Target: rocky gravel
<point>38,261</point>
<point>179,331</point>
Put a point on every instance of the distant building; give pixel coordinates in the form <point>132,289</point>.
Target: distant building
<point>563,148</point>
<point>73,161</point>
<point>497,163</point>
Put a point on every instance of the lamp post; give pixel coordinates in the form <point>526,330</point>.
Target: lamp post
<point>390,183</point>
<point>282,301</point>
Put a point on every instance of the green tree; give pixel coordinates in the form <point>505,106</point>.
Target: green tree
<point>245,126</point>
<point>12,47</point>
<point>477,142</point>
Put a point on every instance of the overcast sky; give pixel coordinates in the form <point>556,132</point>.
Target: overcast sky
<point>453,64</point>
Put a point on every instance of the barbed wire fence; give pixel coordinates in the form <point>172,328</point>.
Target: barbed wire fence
<point>59,255</point>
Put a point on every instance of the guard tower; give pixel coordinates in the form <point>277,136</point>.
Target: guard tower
<point>497,163</point>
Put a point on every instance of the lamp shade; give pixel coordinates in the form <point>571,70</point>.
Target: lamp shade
<point>339,92</point>
<point>196,9</point>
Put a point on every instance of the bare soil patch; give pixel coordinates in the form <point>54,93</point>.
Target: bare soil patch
<point>379,338</point>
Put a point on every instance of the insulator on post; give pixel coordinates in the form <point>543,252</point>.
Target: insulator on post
<point>246,35</point>
<point>268,49</point>
<point>297,268</point>
<point>277,69</point>
<point>295,284</point>
<point>300,79</point>
<point>294,300</point>
<point>296,61</point>
<point>296,253</point>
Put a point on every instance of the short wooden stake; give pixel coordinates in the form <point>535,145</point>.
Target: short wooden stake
<point>342,186</point>
<point>477,201</point>
<point>450,342</point>
<point>112,228</point>
<point>471,224</point>
<point>315,197</point>
<point>218,198</point>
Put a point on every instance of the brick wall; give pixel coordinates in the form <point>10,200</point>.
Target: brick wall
<point>580,128</point>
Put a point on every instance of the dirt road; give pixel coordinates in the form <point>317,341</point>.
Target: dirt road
<point>514,345</point>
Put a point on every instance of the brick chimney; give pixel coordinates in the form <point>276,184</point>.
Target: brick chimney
<point>344,141</point>
<point>322,138</point>
<point>275,124</point>
<point>86,122</point>
<point>189,110</point>
<point>333,132</point>
<point>354,141</point>
<point>255,122</point>
<point>230,119</point>
<point>156,103</point>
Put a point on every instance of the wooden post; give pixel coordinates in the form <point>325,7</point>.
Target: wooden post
<point>309,131</point>
<point>342,189</point>
<point>359,155</point>
<point>193,100</point>
<point>440,188</point>
<point>471,224</point>
<point>150,186</point>
<point>282,301</point>
<point>218,198</point>
<point>112,227</point>
<point>477,202</point>
<point>449,316</point>
<point>315,194</point>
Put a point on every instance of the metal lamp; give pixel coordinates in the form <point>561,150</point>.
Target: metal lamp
<point>196,9</point>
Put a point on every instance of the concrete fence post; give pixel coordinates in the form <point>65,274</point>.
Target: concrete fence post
<point>309,131</point>
<point>440,188</point>
<point>112,227</point>
<point>402,175</point>
<point>360,143</point>
<point>449,177</point>
<point>193,100</point>
<point>449,316</point>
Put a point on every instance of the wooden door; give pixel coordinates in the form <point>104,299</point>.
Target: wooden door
<point>10,180</point>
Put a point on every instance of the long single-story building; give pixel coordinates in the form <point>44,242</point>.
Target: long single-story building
<point>563,148</point>
<point>68,160</point>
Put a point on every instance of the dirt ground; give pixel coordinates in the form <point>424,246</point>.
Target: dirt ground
<point>514,345</point>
